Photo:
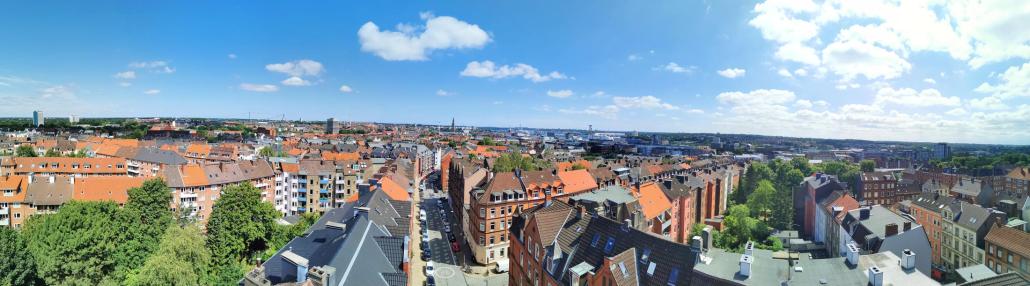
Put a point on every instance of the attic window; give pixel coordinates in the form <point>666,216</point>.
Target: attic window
<point>622,267</point>
<point>610,245</point>
<point>673,277</point>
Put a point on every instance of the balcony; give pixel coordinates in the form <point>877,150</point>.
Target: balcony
<point>187,195</point>
<point>667,225</point>
<point>301,199</point>
<point>340,182</point>
<point>302,209</point>
<point>323,200</point>
<point>302,191</point>
<point>261,185</point>
<point>294,181</point>
<point>324,181</point>
<point>323,191</point>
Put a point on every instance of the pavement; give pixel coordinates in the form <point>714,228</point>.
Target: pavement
<point>449,270</point>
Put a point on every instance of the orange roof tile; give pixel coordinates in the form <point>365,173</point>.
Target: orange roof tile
<point>105,188</point>
<point>20,183</point>
<point>566,165</point>
<point>123,142</point>
<point>577,181</point>
<point>106,149</point>
<point>193,175</point>
<point>394,190</point>
<point>335,156</point>
<point>69,165</point>
<point>292,168</point>
<point>652,200</point>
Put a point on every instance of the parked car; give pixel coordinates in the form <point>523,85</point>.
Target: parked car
<point>455,247</point>
<point>429,269</point>
<point>451,237</point>
<point>447,228</point>
<point>422,215</point>
<point>426,254</point>
<point>430,281</point>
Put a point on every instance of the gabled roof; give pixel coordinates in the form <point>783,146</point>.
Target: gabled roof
<point>652,199</point>
<point>393,189</point>
<point>1009,238</point>
<point>577,181</point>
<point>105,188</point>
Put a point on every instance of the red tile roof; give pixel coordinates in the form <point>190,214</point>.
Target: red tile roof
<point>577,181</point>
<point>652,200</point>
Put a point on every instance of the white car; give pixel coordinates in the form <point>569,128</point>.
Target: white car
<point>447,228</point>
<point>429,268</point>
<point>422,215</point>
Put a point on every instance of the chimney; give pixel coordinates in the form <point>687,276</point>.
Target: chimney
<point>907,226</point>
<point>875,276</point>
<point>852,254</point>
<point>31,178</point>
<point>745,265</point>
<point>891,229</point>
<point>908,259</point>
<point>837,210</point>
<point>667,183</point>
<point>706,237</point>
<point>627,224</point>
<point>749,248</point>
<point>51,179</point>
<point>863,213</point>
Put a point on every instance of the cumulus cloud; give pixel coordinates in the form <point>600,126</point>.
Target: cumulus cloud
<point>152,91</point>
<point>988,103</point>
<point>644,102</point>
<point>1014,82</point>
<point>911,97</point>
<point>676,68</point>
<point>346,89</point>
<point>487,69</point>
<point>930,80</point>
<point>784,73</point>
<point>295,81</point>
<point>410,43</point>
<point>560,93</point>
<point>850,59</point>
<point>634,57</point>
<point>440,92</point>
<point>756,97</point>
<point>732,72</point>
<point>297,68</point>
<point>259,87</point>
<point>125,75</point>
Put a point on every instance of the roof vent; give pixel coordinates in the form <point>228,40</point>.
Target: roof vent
<point>908,259</point>
<point>336,225</point>
<point>745,265</point>
<point>852,254</point>
<point>875,276</point>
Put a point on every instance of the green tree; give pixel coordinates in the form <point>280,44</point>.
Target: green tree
<point>241,226</point>
<point>739,227</point>
<point>868,165</point>
<point>51,153</point>
<point>76,245</point>
<point>181,259</point>
<point>17,266</point>
<point>578,166</point>
<point>761,201</point>
<point>142,221</point>
<point>25,151</point>
<point>755,173</point>
<point>266,152</point>
<point>511,161</point>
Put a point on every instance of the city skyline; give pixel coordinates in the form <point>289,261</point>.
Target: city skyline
<point>877,71</point>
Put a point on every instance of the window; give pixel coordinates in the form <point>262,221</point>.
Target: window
<point>610,245</point>
<point>673,277</point>
<point>482,212</point>
<point>1010,258</point>
<point>597,237</point>
<point>482,226</point>
<point>491,242</point>
<point>493,225</point>
<point>650,269</point>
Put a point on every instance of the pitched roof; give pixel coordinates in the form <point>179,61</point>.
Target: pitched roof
<point>17,184</point>
<point>1010,238</point>
<point>577,181</point>
<point>69,165</point>
<point>393,189</point>
<point>1020,173</point>
<point>42,192</point>
<point>652,199</point>
<point>105,188</point>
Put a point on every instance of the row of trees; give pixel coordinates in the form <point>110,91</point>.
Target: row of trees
<point>142,243</point>
<point>510,161</point>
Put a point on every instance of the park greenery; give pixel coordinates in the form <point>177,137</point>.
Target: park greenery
<point>763,201</point>
<point>508,162</point>
<point>982,165</point>
<point>141,243</point>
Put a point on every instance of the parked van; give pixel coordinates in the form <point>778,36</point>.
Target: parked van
<point>422,215</point>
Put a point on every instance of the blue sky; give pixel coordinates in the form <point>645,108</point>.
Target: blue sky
<point>937,71</point>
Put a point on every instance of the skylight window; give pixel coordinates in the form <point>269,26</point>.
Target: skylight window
<point>597,237</point>
<point>673,277</point>
<point>608,246</point>
<point>646,255</point>
<point>650,268</point>
<point>622,267</point>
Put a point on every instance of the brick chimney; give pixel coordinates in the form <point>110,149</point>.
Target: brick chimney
<point>891,229</point>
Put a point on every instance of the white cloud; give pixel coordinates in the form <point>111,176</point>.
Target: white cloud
<point>988,103</point>
<point>440,92</point>
<point>125,84</point>
<point>798,52</point>
<point>776,21</point>
<point>560,93</point>
<point>643,102</point>
<point>153,66</point>
<point>607,111</point>
<point>676,68</point>
<point>930,81</point>
<point>634,57</point>
<point>232,56</point>
<point>732,72</point>
<point>406,44</point>
<point>910,97</point>
<point>956,112</point>
<point>756,97</point>
<point>784,73</point>
<point>1015,82</point>
<point>125,75</point>
<point>295,81</point>
<point>487,69</point>
<point>801,72</point>
<point>259,87</point>
<point>851,58</point>
<point>346,89</point>
<point>803,104</point>
<point>58,92</point>
<point>997,29</point>
<point>695,111</point>
<point>152,91</point>
<point>599,93</point>
<point>298,68</point>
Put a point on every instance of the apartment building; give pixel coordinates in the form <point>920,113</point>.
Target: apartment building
<point>656,208</point>
<point>149,161</point>
<point>319,185</point>
<point>963,230</point>
<point>876,229</point>
<point>462,177</point>
<point>813,189</point>
<point>24,196</point>
<point>195,188</point>
<point>14,188</point>
<point>65,166</point>
<point>877,188</point>
<point>614,202</point>
<point>1007,250</point>
<point>829,219</point>
<point>927,209</point>
<point>1016,181</point>
<point>491,208</point>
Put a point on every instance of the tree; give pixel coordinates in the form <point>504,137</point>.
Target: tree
<point>25,151</point>
<point>76,245</point>
<point>868,165</point>
<point>17,266</point>
<point>755,173</point>
<point>267,151</point>
<point>761,201</point>
<point>181,259</point>
<point>241,225</point>
<point>511,161</point>
<point>51,153</point>
<point>739,227</point>
<point>141,222</point>
<point>578,166</point>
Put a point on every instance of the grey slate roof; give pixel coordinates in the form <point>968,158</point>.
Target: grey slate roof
<point>155,155</point>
